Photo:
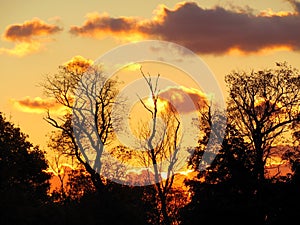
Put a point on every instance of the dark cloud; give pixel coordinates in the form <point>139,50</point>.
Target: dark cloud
<point>212,31</point>
<point>219,30</point>
<point>29,37</point>
<point>295,4</point>
<point>97,24</point>
<point>29,30</point>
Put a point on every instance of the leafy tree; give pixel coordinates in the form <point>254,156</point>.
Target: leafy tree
<point>227,182</point>
<point>293,156</point>
<point>79,184</point>
<point>23,180</point>
<point>263,109</point>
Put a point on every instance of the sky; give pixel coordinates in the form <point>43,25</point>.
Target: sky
<point>38,36</point>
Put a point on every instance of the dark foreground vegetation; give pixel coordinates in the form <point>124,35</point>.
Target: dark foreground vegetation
<point>240,186</point>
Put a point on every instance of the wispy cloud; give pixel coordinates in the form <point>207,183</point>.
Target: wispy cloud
<point>101,25</point>
<point>29,37</point>
<point>97,25</point>
<point>37,105</point>
<point>209,31</point>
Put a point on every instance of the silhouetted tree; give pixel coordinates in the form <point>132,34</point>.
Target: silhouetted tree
<point>58,169</point>
<point>79,184</point>
<point>292,155</point>
<point>72,90</point>
<point>69,171</point>
<point>161,145</point>
<point>221,192</point>
<point>261,106</point>
<point>23,180</point>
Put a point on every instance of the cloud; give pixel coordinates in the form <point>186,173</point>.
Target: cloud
<point>78,64</point>
<point>295,4</point>
<point>36,105</point>
<point>28,37</point>
<point>209,31</point>
<point>133,67</point>
<point>99,25</point>
<point>184,100</point>
<point>29,30</point>
<point>22,48</point>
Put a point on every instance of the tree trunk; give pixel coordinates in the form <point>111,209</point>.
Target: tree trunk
<point>260,178</point>
<point>165,213</point>
<point>96,179</point>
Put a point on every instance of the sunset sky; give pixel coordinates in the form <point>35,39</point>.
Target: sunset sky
<point>38,36</point>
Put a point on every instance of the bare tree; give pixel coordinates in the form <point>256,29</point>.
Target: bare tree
<point>262,105</point>
<point>161,145</point>
<point>62,163</point>
<point>81,89</point>
<point>56,167</point>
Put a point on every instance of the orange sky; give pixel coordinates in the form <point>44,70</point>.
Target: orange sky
<point>38,36</point>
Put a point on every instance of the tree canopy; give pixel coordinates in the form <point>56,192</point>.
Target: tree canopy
<point>23,180</point>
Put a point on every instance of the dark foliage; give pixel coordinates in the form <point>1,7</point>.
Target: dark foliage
<point>23,182</point>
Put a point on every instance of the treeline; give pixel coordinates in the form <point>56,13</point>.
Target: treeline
<point>261,124</point>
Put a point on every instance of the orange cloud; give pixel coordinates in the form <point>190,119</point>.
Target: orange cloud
<point>99,25</point>
<point>183,99</point>
<point>36,105</point>
<point>28,37</point>
<point>78,64</point>
<point>270,13</point>
<point>209,31</point>
<point>22,48</point>
<point>29,30</point>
